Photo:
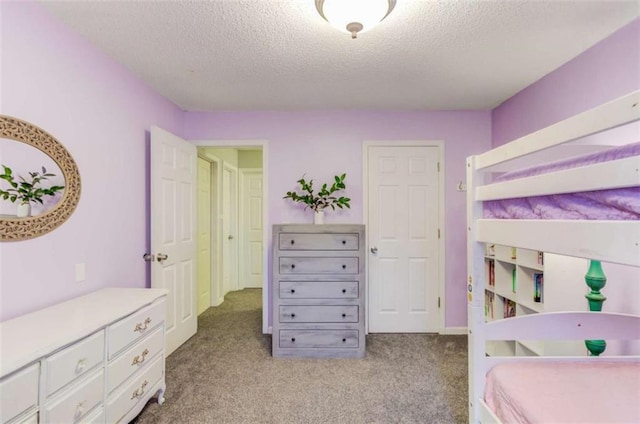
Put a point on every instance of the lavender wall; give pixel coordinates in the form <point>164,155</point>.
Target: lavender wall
<point>604,72</point>
<point>53,78</point>
<point>322,144</point>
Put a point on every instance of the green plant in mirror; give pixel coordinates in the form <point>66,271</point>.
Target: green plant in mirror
<point>324,198</point>
<point>27,190</point>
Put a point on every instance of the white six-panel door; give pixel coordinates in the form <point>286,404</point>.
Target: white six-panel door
<point>204,235</point>
<point>403,218</point>
<point>251,228</point>
<point>173,235</point>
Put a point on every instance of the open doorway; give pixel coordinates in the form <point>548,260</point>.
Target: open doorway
<point>232,222</point>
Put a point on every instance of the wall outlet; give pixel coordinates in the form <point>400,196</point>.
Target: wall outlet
<point>80,273</point>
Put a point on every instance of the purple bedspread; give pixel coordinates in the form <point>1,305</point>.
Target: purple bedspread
<point>614,204</point>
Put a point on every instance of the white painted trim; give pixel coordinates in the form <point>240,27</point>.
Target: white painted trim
<point>609,115</point>
<point>621,173</point>
<point>241,209</point>
<point>441,223</point>
<point>455,331</point>
<point>266,232</point>
<point>609,241</point>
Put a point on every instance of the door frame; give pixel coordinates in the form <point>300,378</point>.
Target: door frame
<point>241,209</point>
<point>365,215</point>
<point>266,231</point>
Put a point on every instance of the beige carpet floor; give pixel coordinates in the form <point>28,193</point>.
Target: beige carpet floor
<point>226,374</point>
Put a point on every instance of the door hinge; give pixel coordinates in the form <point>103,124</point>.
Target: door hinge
<point>438,302</point>
<point>438,233</point>
<point>438,166</point>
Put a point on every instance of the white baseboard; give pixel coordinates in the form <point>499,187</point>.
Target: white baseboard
<point>455,331</point>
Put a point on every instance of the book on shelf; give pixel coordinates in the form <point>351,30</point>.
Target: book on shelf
<point>513,280</point>
<point>490,249</point>
<point>509,308</point>
<point>538,287</point>
<point>513,253</point>
<point>492,273</point>
<point>488,305</point>
<point>540,258</point>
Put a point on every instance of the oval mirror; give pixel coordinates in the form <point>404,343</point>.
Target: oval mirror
<point>60,178</point>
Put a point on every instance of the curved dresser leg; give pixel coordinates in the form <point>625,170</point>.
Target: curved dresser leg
<point>161,391</point>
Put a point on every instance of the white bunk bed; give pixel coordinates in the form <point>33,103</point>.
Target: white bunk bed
<point>615,241</point>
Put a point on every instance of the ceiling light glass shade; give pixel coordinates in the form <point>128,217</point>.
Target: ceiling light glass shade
<point>354,16</point>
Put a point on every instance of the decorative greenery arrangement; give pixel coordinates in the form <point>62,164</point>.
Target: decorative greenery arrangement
<point>27,191</point>
<point>323,198</point>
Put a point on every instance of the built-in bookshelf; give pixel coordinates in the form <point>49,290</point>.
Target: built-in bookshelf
<point>514,286</point>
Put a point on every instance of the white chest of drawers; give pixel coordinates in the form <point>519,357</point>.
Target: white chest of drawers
<point>318,291</point>
<point>94,359</point>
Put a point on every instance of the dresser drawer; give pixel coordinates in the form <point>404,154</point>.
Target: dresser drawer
<point>136,390</point>
<point>302,241</point>
<point>96,417</point>
<point>342,313</point>
<point>134,359</point>
<point>303,265</point>
<point>72,405</point>
<point>74,361</point>
<point>19,392</point>
<point>318,289</point>
<point>318,338</point>
<point>128,330</point>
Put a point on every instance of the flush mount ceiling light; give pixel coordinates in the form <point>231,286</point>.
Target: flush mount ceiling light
<point>354,16</point>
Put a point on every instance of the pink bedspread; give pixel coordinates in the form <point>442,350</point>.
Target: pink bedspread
<point>615,204</point>
<point>565,392</point>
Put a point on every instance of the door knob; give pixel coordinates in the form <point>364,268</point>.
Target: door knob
<point>374,250</point>
<point>148,257</point>
<point>162,257</point>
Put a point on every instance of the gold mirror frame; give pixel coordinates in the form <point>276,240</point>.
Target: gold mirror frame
<point>14,229</point>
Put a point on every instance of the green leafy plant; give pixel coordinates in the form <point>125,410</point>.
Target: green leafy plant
<point>324,198</point>
<point>27,191</point>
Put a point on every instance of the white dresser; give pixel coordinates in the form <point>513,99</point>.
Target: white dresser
<point>97,358</point>
<point>318,290</point>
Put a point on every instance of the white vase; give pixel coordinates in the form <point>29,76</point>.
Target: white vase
<point>318,217</point>
<point>24,210</point>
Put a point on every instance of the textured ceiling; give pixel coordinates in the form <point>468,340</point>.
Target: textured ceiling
<point>281,55</point>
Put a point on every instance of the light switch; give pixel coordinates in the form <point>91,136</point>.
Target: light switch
<point>80,272</point>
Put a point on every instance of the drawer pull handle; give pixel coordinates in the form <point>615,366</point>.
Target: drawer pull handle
<point>293,339</point>
<point>344,340</point>
<point>344,315</point>
<point>293,315</point>
<point>137,359</point>
<point>139,392</point>
<point>344,267</point>
<point>293,266</point>
<point>81,364</point>
<point>139,326</point>
<point>293,242</point>
<point>344,290</point>
<point>293,290</point>
<point>80,409</point>
<point>344,242</point>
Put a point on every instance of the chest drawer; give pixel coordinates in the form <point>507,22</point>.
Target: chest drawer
<point>19,392</point>
<point>302,241</point>
<point>318,289</point>
<point>74,361</point>
<point>303,265</point>
<point>318,338</point>
<point>128,330</point>
<point>134,359</point>
<point>72,405</point>
<point>342,313</point>
<point>139,388</point>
